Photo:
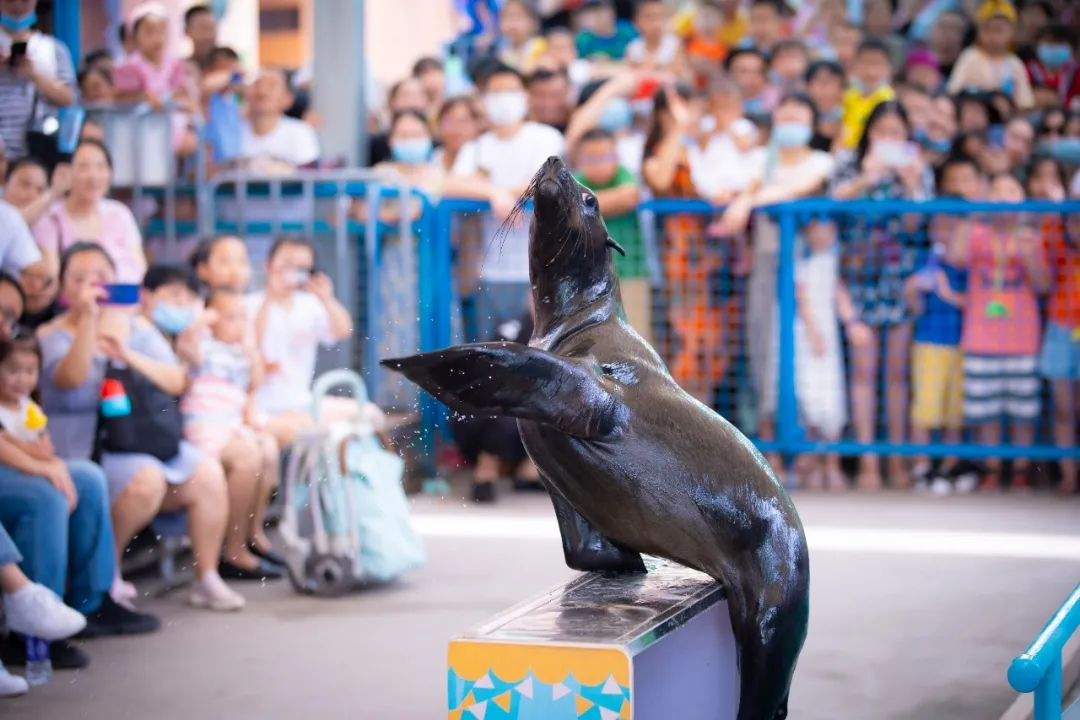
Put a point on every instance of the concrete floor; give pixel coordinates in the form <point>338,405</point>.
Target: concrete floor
<point>918,606</point>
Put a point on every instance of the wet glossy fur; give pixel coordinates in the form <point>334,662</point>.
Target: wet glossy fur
<point>634,464</point>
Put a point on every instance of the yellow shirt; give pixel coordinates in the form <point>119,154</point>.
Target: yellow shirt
<point>857,108</point>
<point>729,35</point>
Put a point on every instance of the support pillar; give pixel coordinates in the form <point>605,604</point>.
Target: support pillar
<point>339,79</point>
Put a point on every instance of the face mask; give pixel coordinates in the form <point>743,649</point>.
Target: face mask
<point>1054,56</point>
<point>616,116</point>
<point>864,89</point>
<point>299,278</point>
<point>708,124</point>
<point>506,108</point>
<point>411,152</point>
<point>788,135</point>
<point>754,106</point>
<point>18,24</point>
<point>827,52</point>
<point>170,319</point>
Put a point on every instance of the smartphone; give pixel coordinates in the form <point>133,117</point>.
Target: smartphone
<point>895,154</point>
<point>237,78</point>
<point>121,294</point>
<point>18,49</point>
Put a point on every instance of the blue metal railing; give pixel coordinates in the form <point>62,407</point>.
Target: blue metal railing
<point>437,263</point>
<point>1038,670</point>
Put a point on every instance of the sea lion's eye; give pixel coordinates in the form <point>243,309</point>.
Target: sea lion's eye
<point>590,200</point>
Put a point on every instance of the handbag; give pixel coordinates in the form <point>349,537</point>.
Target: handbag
<point>136,416</point>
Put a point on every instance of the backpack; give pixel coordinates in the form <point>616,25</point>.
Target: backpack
<point>136,416</point>
<point>345,522</point>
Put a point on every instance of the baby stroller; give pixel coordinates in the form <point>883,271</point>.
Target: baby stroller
<point>345,522</point>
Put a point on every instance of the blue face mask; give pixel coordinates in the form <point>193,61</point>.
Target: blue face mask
<point>411,152</point>
<point>787,135</point>
<point>18,24</point>
<point>172,320</point>
<point>616,116</point>
<point>1054,56</point>
<point>938,146</point>
<point>832,115</point>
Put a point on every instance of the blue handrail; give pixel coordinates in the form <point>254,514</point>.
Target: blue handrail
<point>1038,669</point>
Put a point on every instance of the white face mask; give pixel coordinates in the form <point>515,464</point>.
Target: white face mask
<point>506,108</point>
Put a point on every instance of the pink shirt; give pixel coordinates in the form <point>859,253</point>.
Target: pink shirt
<point>137,74</point>
<point>120,237</point>
<point>997,274</point>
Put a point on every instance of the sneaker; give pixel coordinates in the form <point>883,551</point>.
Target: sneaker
<point>112,618</point>
<point>211,592</point>
<point>62,654</point>
<point>483,492</point>
<point>37,611</point>
<point>11,685</point>
<point>940,486</point>
<point>921,473</point>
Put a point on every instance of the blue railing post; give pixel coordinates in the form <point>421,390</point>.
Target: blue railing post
<point>1038,669</point>
<point>787,406</point>
<point>1048,694</point>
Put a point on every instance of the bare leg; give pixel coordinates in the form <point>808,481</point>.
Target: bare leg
<point>1021,434</point>
<point>1065,395</point>
<point>864,377</point>
<point>897,356</point>
<point>136,506</point>
<point>12,579</point>
<point>206,500</point>
<point>767,432</point>
<point>241,463</point>
<point>286,426</point>
<point>268,480</point>
<point>989,434</point>
<point>920,436</point>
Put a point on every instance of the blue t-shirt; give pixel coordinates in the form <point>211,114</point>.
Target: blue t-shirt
<point>942,323</point>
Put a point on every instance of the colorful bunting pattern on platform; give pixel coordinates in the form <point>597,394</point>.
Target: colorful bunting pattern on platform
<point>490,698</point>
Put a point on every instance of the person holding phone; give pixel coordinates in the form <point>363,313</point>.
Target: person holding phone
<point>98,331</point>
<point>879,255</point>
<point>294,316</point>
<point>37,75</point>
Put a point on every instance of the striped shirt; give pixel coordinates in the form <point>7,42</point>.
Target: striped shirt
<point>51,57</point>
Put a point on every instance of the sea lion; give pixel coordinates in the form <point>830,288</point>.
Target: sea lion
<point>633,463</point>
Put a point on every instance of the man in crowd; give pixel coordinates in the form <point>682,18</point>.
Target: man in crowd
<point>201,28</point>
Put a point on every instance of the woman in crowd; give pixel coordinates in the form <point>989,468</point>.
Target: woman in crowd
<point>458,122</point>
<point>87,215</point>
<point>666,172</point>
<point>77,349</point>
<point>788,168</point>
<point>27,188</point>
<point>880,254</point>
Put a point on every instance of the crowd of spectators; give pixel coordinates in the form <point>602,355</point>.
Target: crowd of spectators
<point>941,324</point>
<point>131,387</point>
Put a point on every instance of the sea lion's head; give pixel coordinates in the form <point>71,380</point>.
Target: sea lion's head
<point>569,245</point>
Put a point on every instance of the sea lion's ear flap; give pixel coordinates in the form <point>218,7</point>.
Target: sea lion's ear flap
<point>615,246</point>
<point>517,381</point>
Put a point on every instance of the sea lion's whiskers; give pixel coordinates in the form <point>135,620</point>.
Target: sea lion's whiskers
<point>511,220</point>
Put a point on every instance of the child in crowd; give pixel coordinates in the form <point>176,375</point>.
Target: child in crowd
<point>151,73</point>
<point>222,263</point>
<point>765,26</point>
<point>936,298</point>
<point>617,193</point>
<point>294,316</point>
<point>822,304</point>
<point>1001,334</point>
<point>518,45</point>
<point>703,46</point>
<point>871,85</point>
<point>656,49</point>
<point>220,401</point>
<point>990,64</point>
<point>601,35</point>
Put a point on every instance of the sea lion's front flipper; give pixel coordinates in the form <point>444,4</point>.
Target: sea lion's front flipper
<point>584,547</point>
<point>514,380</point>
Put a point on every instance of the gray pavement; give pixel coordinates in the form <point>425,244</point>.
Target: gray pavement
<point>894,635</point>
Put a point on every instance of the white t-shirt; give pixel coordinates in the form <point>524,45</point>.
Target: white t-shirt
<point>664,55</point>
<point>14,422</point>
<point>509,164</point>
<point>289,347</point>
<point>721,166</point>
<point>17,246</point>
<point>291,140</point>
<point>630,149</point>
<point>764,165</point>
